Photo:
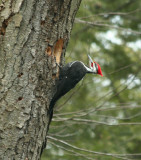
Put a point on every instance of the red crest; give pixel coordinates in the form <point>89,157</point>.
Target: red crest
<point>99,70</point>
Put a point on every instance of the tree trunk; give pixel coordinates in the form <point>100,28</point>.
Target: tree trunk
<point>33,36</point>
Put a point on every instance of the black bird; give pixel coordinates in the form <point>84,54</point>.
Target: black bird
<point>69,76</point>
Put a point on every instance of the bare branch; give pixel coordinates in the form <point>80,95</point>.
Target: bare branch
<point>117,118</point>
<point>93,152</point>
<point>112,13</point>
<point>64,135</point>
<point>100,109</point>
<point>70,150</point>
<point>128,30</point>
<point>122,68</point>
<point>96,122</point>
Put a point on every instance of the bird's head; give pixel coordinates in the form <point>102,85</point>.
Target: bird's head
<point>94,66</point>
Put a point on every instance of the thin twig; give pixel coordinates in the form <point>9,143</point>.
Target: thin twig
<point>64,135</point>
<point>94,121</point>
<point>112,13</point>
<point>90,151</point>
<point>106,25</point>
<point>117,118</point>
<point>100,109</point>
<point>69,150</point>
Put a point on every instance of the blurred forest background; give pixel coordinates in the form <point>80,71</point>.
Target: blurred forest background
<point>100,119</point>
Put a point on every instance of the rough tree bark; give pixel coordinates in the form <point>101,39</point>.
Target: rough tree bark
<point>33,35</point>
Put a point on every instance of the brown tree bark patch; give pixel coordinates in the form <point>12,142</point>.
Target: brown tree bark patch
<point>3,28</point>
<point>48,51</point>
<point>58,50</point>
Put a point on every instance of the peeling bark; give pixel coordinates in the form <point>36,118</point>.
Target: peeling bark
<point>33,37</point>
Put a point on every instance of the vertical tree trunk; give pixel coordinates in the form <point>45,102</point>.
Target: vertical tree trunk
<point>33,33</point>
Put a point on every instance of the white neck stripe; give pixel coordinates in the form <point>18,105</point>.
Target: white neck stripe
<point>88,69</point>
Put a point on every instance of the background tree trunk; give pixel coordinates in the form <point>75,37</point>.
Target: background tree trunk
<point>32,35</point>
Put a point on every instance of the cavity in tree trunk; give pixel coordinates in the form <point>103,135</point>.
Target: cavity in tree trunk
<point>33,37</point>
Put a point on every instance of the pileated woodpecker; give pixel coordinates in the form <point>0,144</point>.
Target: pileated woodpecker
<point>69,76</point>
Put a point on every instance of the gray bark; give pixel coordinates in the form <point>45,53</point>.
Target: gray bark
<point>33,35</point>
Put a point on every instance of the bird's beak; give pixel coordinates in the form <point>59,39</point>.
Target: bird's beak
<point>90,59</point>
<point>90,62</point>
